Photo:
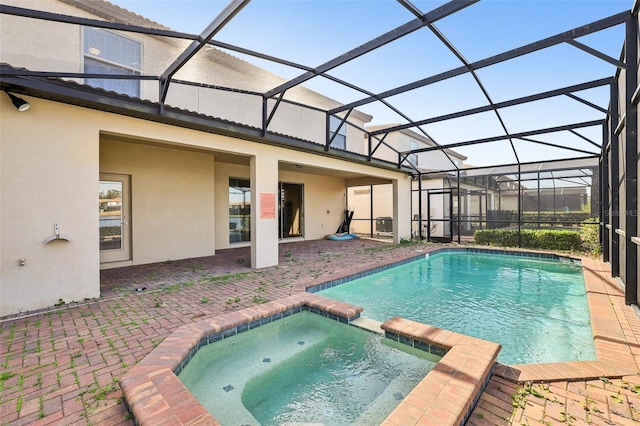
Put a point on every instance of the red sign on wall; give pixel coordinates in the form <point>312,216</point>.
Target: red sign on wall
<point>267,205</point>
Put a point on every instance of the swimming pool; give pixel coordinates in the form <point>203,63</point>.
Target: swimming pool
<point>535,307</point>
<point>302,369</point>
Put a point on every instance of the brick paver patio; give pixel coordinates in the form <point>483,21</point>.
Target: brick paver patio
<point>62,366</point>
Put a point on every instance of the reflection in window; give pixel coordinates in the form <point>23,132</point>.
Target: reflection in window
<point>340,141</point>
<point>110,211</point>
<point>239,210</point>
<point>110,53</point>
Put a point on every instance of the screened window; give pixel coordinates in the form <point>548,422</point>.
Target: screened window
<point>340,141</point>
<point>110,53</point>
<point>413,158</point>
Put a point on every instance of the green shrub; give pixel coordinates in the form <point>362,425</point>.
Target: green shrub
<point>559,216</point>
<point>590,233</point>
<point>496,237</point>
<point>510,217</point>
<point>544,239</point>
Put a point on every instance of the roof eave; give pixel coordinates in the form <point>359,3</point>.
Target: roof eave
<point>83,96</point>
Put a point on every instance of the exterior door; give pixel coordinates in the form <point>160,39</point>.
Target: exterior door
<point>439,206</point>
<point>291,213</point>
<point>115,218</point>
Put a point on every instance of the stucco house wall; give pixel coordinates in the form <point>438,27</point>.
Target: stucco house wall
<point>50,46</point>
<point>52,157</point>
<point>323,202</point>
<point>172,205</point>
<point>49,176</point>
<point>402,140</point>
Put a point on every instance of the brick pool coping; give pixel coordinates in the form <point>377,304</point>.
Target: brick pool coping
<point>615,356</point>
<point>155,395</point>
<point>449,392</point>
<point>153,392</point>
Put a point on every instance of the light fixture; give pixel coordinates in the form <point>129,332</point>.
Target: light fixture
<point>20,104</point>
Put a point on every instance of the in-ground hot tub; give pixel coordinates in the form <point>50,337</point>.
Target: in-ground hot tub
<point>304,368</point>
<point>448,392</point>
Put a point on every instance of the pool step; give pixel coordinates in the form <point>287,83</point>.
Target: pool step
<point>368,324</point>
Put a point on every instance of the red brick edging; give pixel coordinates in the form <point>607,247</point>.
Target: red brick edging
<point>447,395</point>
<point>154,394</point>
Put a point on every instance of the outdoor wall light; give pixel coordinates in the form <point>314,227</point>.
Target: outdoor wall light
<point>20,104</point>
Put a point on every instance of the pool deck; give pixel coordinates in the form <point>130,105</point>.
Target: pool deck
<point>62,366</point>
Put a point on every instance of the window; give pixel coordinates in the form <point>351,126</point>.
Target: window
<point>239,210</point>
<point>340,141</point>
<point>109,53</point>
<point>413,158</point>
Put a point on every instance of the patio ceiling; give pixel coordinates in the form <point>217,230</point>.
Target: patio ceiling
<point>491,87</point>
<point>244,160</point>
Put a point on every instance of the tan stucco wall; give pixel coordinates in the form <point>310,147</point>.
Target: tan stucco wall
<point>49,175</point>
<point>49,46</point>
<point>171,199</point>
<point>323,202</point>
<point>50,164</point>
<point>37,44</point>
<point>401,141</point>
<point>401,208</point>
<point>264,223</point>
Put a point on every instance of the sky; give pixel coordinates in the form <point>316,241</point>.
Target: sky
<point>311,32</point>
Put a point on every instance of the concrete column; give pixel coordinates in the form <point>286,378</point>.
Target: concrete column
<point>401,209</point>
<point>264,214</point>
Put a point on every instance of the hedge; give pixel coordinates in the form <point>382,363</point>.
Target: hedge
<point>110,231</point>
<point>573,217</point>
<point>510,217</point>
<point>545,239</point>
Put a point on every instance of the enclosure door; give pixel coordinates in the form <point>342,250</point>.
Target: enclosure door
<point>114,218</point>
<point>439,206</point>
<point>291,212</point>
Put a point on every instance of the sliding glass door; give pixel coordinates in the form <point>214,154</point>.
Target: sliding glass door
<point>291,211</point>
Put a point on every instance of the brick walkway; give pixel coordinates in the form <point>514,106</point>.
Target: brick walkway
<point>62,366</point>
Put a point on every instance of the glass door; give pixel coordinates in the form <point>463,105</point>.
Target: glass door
<point>114,218</point>
<point>239,210</point>
<point>291,212</point>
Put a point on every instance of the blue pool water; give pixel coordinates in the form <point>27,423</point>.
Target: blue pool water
<point>304,369</point>
<point>535,308</point>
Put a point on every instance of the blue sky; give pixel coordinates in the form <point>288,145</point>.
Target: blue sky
<point>313,32</point>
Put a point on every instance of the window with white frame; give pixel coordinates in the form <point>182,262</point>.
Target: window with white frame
<point>413,158</point>
<point>106,52</point>
<point>340,139</point>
